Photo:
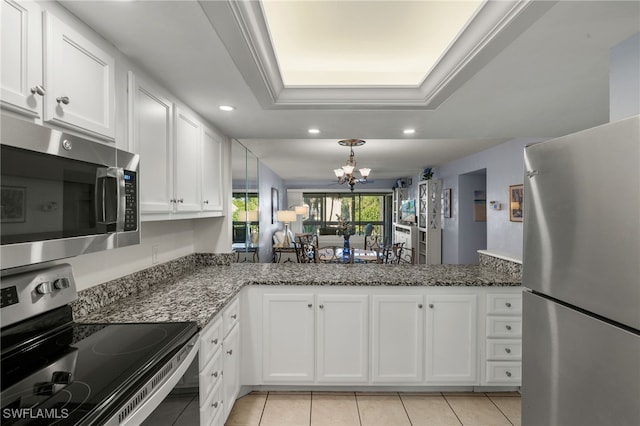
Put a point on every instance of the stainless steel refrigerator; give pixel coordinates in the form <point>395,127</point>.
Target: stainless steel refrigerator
<point>581,270</point>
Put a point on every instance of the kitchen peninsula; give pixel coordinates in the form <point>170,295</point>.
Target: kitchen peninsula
<point>334,326</point>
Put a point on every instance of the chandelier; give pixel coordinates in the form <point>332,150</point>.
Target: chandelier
<point>345,173</point>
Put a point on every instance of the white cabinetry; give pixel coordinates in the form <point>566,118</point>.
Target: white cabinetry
<point>181,158</point>
<point>451,349</point>
<point>503,350</point>
<point>187,162</point>
<point>304,332</point>
<point>288,349</point>
<point>342,336</point>
<point>398,338</point>
<point>219,366</point>
<point>22,86</point>
<point>79,79</point>
<point>66,80</point>
<point>429,249</point>
<point>211,165</point>
<point>151,136</point>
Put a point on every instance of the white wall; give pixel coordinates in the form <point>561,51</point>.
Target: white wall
<point>624,79</point>
<point>504,166</point>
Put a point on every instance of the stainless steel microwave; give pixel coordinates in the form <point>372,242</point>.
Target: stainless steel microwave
<point>62,195</point>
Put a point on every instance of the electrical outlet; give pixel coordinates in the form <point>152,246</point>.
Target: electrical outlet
<point>154,254</point>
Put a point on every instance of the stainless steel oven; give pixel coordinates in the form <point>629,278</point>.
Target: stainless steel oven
<point>63,195</point>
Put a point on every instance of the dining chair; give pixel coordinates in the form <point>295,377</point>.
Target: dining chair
<point>306,248</point>
<point>328,254</point>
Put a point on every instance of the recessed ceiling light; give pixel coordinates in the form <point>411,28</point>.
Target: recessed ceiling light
<point>314,131</point>
<point>409,131</point>
<point>226,107</point>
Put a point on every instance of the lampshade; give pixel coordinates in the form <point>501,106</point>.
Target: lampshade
<point>301,210</point>
<point>365,172</point>
<point>339,172</point>
<point>248,216</point>
<point>286,216</point>
<point>347,169</point>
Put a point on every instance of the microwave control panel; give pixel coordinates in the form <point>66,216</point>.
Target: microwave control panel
<point>131,201</point>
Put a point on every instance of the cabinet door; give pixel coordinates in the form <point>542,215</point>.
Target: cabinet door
<point>398,329</point>
<point>187,159</point>
<point>211,171</point>
<point>80,80</point>
<point>343,344</point>
<point>451,354</point>
<point>21,57</point>
<point>231,368</point>
<point>150,135</point>
<point>288,338</point>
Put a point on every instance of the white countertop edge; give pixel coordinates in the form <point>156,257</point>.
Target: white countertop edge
<point>500,255</point>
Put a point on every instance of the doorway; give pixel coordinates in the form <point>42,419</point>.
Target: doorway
<point>472,210</point>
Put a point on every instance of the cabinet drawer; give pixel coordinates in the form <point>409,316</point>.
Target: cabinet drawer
<point>230,316</point>
<point>504,350</point>
<point>211,375</point>
<point>504,304</point>
<point>212,407</point>
<point>504,327</point>
<point>504,372</point>
<point>210,341</point>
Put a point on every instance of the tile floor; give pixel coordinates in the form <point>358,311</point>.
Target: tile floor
<point>354,408</point>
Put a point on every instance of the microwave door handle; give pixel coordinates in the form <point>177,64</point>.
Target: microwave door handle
<point>107,196</point>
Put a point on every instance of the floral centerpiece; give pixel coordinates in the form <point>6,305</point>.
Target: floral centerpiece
<point>345,228</point>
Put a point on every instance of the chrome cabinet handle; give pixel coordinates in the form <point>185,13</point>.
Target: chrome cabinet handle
<point>214,374</point>
<point>507,350</point>
<point>181,200</point>
<point>508,327</point>
<point>321,306</point>
<point>205,202</point>
<point>215,404</point>
<point>508,305</point>
<point>309,305</point>
<point>214,341</point>
<point>508,373</point>
<point>431,305</point>
<point>63,100</point>
<point>419,305</point>
<point>234,316</point>
<point>38,90</point>
<point>230,352</point>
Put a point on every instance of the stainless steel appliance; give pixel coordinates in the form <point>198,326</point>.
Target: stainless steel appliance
<point>581,264</point>
<point>62,195</point>
<point>56,371</point>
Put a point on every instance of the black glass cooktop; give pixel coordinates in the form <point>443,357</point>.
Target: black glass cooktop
<point>80,374</point>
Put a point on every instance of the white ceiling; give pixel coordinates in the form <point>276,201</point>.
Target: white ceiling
<point>550,79</point>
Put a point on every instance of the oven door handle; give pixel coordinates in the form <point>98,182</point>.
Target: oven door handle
<point>107,198</point>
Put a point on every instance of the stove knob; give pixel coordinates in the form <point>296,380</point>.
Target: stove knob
<point>44,288</point>
<point>61,283</point>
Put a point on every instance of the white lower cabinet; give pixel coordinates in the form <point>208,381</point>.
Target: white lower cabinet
<point>288,338</point>
<point>381,336</point>
<point>451,349</point>
<point>219,366</point>
<point>342,338</point>
<point>397,338</point>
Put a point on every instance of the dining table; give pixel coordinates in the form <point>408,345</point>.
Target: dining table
<point>356,255</point>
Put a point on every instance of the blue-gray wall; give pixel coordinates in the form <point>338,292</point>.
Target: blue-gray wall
<point>624,79</point>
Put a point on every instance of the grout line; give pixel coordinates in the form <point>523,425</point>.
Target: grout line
<point>310,406</point>
<point>263,408</point>
<point>452,410</point>
<point>501,412</point>
<point>405,409</point>
<point>355,395</point>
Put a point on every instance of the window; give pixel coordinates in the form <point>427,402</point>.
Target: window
<point>361,209</point>
<point>244,201</point>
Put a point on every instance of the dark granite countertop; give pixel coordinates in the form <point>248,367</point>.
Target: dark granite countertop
<point>200,295</point>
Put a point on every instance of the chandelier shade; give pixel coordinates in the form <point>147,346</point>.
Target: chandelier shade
<point>344,174</point>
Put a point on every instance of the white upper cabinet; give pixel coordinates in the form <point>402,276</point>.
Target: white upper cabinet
<point>22,87</point>
<point>187,162</point>
<point>151,136</point>
<point>211,170</point>
<point>79,80</point>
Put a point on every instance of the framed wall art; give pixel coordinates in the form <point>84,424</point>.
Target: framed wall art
<point>516,205</point>
<point>446,202</point>
<point>275,205</point>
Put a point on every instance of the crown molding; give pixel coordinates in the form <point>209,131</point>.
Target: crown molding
<point>243,30</point>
